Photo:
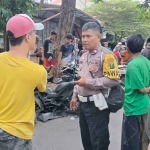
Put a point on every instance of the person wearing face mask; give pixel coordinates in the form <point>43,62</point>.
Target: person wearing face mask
<point>146,51</point>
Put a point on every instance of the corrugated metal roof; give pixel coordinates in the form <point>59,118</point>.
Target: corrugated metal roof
<point>51,9</point>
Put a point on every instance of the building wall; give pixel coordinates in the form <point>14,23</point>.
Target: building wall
<point>52,26</point>
<point>81,4</point>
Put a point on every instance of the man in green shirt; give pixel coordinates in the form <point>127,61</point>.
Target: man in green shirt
<point>136,102</point>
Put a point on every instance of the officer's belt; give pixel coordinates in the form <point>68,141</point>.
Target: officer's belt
<point>85,99</point>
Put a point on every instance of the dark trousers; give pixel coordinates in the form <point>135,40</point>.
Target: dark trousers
<point>134,133</point>
<point>10,142</point>
<point>94,126</point>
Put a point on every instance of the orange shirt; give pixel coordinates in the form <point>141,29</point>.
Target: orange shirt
<point>126,56</point>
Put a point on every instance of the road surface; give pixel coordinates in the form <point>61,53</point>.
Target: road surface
<point>64,134</point>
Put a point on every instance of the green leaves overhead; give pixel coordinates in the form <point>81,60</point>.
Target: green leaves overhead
<point>9,8</point>
<point>121,17</point>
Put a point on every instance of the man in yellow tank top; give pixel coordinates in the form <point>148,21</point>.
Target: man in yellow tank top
<point>18,79</point>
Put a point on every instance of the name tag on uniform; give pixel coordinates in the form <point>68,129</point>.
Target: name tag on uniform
<point>110,67</point>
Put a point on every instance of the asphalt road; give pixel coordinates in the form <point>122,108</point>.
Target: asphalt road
<point>64,134</point>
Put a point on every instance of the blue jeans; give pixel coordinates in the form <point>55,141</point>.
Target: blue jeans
<point>10,142</point>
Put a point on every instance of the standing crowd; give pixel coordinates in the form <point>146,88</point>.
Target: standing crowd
<point>69,52</point>
<point>98,70</point>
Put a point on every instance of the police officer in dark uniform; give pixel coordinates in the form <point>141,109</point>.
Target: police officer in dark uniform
<point>95,71</point>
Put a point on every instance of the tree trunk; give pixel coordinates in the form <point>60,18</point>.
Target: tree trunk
<point>65,26</point>
<point>116,40</point>
<point>4,40</point>
<point>121,36</point>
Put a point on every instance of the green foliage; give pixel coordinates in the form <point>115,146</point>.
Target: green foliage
<point>121,17</point>
<point>145,4</point>
<point>145,11</point>
<point>9,8</point>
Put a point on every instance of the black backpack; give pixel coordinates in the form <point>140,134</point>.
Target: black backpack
<point>115,99</point>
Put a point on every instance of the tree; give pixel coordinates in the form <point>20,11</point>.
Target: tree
<point>96,1</point>
<point>145,3</point>
<point>120,18</point>
<point>65,25</point>
<point>145,10</point>
<point>9,8</point>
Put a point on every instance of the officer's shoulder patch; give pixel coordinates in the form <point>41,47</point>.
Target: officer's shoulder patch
<point>110,67</point>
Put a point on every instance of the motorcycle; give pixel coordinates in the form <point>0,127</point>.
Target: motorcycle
<point>69,73</point>
<point>122,72</point>
<point>50,79</point>
<point>52,103</point>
